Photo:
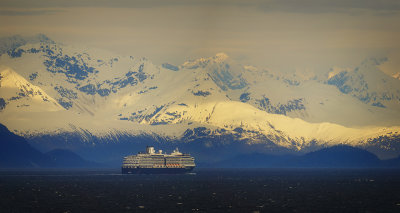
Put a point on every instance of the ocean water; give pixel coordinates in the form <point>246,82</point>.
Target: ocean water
<point>205,190</point>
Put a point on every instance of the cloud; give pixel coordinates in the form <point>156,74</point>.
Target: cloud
<point>97,3</point>
<point>296,6</point>
<point>28,12</point>
<point>328,6</point>
<point>316,34</point>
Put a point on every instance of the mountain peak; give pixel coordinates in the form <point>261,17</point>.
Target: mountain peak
<point>12,42</point>
<point>203,62</point>
<point>41,38</point>
<point>9,78</point>
<point>219,57</point>
<point>374,61</point>
<point>19,92</point>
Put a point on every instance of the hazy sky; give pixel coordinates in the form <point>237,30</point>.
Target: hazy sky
<point>281,34</point>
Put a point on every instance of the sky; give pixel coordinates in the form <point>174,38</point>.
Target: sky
<point>283,35</point>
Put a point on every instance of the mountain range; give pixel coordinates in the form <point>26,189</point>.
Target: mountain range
<point>104,106</point>
<point>17,153</point>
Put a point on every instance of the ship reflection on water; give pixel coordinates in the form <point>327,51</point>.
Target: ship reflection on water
<point>210,190</point>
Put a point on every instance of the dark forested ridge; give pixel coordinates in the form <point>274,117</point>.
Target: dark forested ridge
<point>15,152</point>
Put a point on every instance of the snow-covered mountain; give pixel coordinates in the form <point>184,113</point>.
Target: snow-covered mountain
<point>369,85</point>
<point>47,88</point>
<point>21,94</point>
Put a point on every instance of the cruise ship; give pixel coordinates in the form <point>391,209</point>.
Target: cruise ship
<point>152,162</point>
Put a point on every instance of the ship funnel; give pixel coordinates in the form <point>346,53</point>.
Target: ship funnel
<point>150,150</point>
<point>176,152</point>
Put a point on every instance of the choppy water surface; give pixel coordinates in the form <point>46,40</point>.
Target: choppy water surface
<point>209,190</point>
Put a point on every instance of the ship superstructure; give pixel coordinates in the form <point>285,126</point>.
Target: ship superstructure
<point>158,162</point>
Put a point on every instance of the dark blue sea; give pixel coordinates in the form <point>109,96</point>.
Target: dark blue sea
<point>205,190</point>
